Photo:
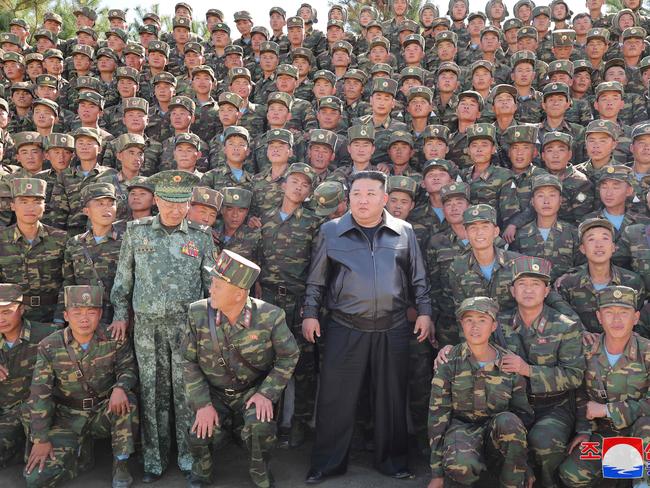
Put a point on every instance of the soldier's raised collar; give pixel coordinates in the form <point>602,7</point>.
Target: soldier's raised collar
<point>585,280</point>
<point>156,224</point>
<point>40,234</point>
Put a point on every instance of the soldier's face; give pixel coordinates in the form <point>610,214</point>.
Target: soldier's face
<point>340,58</point>
<point>59,158</point>
<point>477,327</point>
<point>400,153</point>
<point>157,60</point>
<point>581,81</point>
<point>582,25</point>
<point>481,79</point>
<point>48,92</point>
<point>229,114</point>
<point>286,84</point>
<point>44,117</point>
<point>475,26</point>
<point>13,70</point>
<point>135,120</point>
<point>106,64</point>
<point>202,83</point>
<point>236,149</point>
<point>277,114</point>
<point>334,34</point>
<point>83,21</point>
<point>481,150</point>
<point>277,21</point>
<point>435,179</point>
<point>101,211</point>
<point>202,214</point>
<point>633,47</point>
<point>28,210</point>
<point>88,112</point>
<point>529,292</point>
<point>131,60</point>
<point>361,150</point>
<point>400,6</point>
<point>511,36</point>
<point>446,51</point>
<point>131,158</point>
<point>234,61</point>
<point>365,17</point>
<point>180,118</point>
<point>556,156</point>
<point>468,109</point>
<point>458,11</point>
<point>426,17</point>
<point>244,26</point>
<point>560,77</point>
<point>296,35</point>
<point>489,42</point>
<point>278,152</point>
<point>367,200</point>
<point>556,105</point>
<point>303,66</point>
<point>523,74</point>
<point>546,201</point>
<point>21,98</point>
<point>220,38</point>
<point>81,62</point>
<point>186,156</point>
<point>524,13</point>
<point>594,4</point>
<point>34,69</point>
<point>140,199</point>
<point>641,149</point>
<point>257,39</point>
<point>616,73</point>
<point>83,321</point>
<point>453,209</point>
<point>353,88</point>
<point>541,23</point>
<point>297,188</point>
<point>224,294</point>
<point>323,88</point>
<point>400,204</point>
<point>268,61</point>
<point>496,11</point>
<point>126,87</point>
<point>600,146</point>
<point>146,38</point>
<point>320,156</point>
<point>382,103</point>
<point>614,193</point>
<point>413,53</point>
<point>595,48</point>
<point>625,21</point>
<point>30,157</point>
<point>419,107</point>
<point>233,217</point>
<point>241,86</point>
<point>598,245</point>
<point>87,148</point>
<point>378,54</point>
<point>11,317</point>
<point>504,104</point>
<point>171,213</point>
<point>617,322</point>
<point>193,59</point>
<point>521,155</point>
<point>481,235</point>
<point>562,52</point>
<point>527,44</point>
<point>559,11</point>
<point>435,149</point>
<point>181,35</point>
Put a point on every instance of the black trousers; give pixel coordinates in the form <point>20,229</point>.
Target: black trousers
<point>349,355</point>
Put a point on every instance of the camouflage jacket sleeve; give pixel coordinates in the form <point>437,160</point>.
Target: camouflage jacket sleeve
<point>123,284</point>
<point>525,216</point>
<point>68,272</point>
<point>286,357</point>
<point>126,376</point>
<point>508,202</point>
<point>455,283</point>
<point>583,425</point>
<point>197,389</point>
<point>207,262</point>
<point>108,156</point>
<point>624,413</point>
<point>59,205</point>
<point>519,404</point>
<point>435,283</point>
<point>41,405</point>
<point>568,372</point>
<point>439,415</point>
<point>558,301</point>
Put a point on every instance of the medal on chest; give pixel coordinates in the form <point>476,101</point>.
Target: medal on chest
<point>190,249</point>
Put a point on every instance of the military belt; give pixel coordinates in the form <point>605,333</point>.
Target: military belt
<point>548,399</point>
<point>85,404</point>
<point>281,291</point>
<point>38,300</point>
<point>231,392</point>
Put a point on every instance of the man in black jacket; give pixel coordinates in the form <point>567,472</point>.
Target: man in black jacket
<point>366,269</point>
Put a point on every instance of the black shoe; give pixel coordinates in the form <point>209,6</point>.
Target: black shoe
<point>314,477</point>
<point>150,477</point>
<point>403,474</point>
<point>296,434</point>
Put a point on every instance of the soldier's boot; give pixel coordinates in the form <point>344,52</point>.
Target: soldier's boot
<point>284,437</point>
<point>121,476</point>
<point>296,434</point>
<point>261,474</point>
<point>86,460</point>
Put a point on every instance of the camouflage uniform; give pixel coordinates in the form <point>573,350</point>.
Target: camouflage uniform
<point>634,244</point>
<point>152,156</point>
<point>150,256</point>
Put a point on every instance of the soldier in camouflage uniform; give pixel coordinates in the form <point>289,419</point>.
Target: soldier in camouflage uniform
<point>19,340</point>
<point>556,100</point>
<point>609,104</point>
<point>303,117</point>
<point>82,389</point>
<point>235,151</point>
<point>238,356</point>
<point>361,146</point>
<point>91,258</point>
<point>162,249</point>
<point>31,254</point>
<point>231,231</point>
<point>229,115</point>
<point>252,116</point>
<point>613,398</point>
<point>28,147</point>
<point>130,157</point>
<point>601,136</point>
<point>477,413</point>
<point>204,206</point>
<point>524,68</point>
<point>267,185</point>
<point>59,150</point>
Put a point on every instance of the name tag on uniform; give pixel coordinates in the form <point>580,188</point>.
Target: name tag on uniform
<point>190,249</point>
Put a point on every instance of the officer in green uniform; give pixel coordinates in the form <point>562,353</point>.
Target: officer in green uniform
<point>238,357</point>
<point>231,231</point>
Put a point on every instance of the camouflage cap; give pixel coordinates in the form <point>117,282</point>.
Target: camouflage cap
<point>140,182</point>
<point>503,88</point>
<point>88,31</point>
<point>221,26</point>
<point>278,10</point>
<point>523,57</point>
<point>617,296</point>
<point>560,66</point>
<point>400,136</point>
<point>107,52</point>
<point>444,164</point>
<point>259,29</point>
<point>149,29</point>
<point>609,86</point>
<point>230,98</point>
<point>194,47</point>
<point>380,41</point>
<point>420,92</point>
<point>4,105</point>
<point>356,74</point>
<point>134,48</point>
<point>206,196</point>
<point>270,47</point>
<point>476,15</point>
<point>127,72</point>
<point>336,23</point>
<point>288,70</point>
<point>204,68</point>
<point>528,31</point>
<point>381,68</point>
<point>183,102</point>
<point>546,179</point>
<point>327,197</point>
<point>242,15</point>
<point>481,131</point>
<point>185,5</point>
<point>303,52</point>
<point>598,33</point>
<point>119,33</point>
<point>593,223</point>
<point>361,132</point>
<point>10,293</point>
<point>12,56</point>
<point>413,39</point>
<point>473,95</point>
<point>446,36</point>
<point>47,34</point>
<point>117,14</point>
<point>94,191</point>
<point>324,74</point>
<point>27,138</point>
<point>411,72</point>
<point>521,133</point>
<point>86,12</point>
<point>235,73</point>
<point>282,135</point>
<point>563,37</point>
<point>481,63</point>
<point>342,46</point>
<point>530,266</point>
<point>644,64</point>
<point>58,140</point>
<point>323,136</point>
<point>28,187</point>
<point>46,102</point>
<point>92,97</point>
<point>384,85</point>
<point>639,130</point>
<point>164,77</point>
<point>88,132</point>
<point>455,189</point>
<point>159,47</point>
<point>280,97</point>
<point>32,57</point>
<point>615,172</point>
<point>53,53</point>
<point>47,80</point>
<point>331,102</point>
<point>9,38</point>
<point>237,197</point>
<point>184,22</point>
<point>404,184</point>
<point>441,22</point>
<point>605,126</point>
<point>22,85</point>
<point>612,63</point>
<point>188,138</point>
<point>555,136</point>
<point>84,50</point>
<point>83,296</point>
<point>514,23</point>
<point>408,25</point>
<point>233,49</point>
<point>303,169</point>
<point>434,131</point>
<point>484,305</point>
<point>236,130</point>
<point>295,21</point>
<point>480,213</point>
<point>234,269</point>
<point>556,89</point>
<point>174,185</point>
<point>52,16</point>
<point>135,103</point>
<point>128,140</point>
<point>152,16</point>
<point>490,29</point>
<point>542,10</point>
<point>448,66</point>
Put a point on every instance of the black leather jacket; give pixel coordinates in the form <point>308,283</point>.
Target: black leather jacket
<point>367,289</point>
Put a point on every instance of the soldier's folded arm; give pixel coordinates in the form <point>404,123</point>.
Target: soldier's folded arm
<point>197,389</point>
<point>41,406</point>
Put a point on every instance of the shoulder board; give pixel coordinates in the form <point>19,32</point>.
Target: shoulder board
<point>202,228</point>
<point>142,221</point>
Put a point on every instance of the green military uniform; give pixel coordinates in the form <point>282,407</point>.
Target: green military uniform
<point>552,347</point>
<point>622,386</point>
<point>478,414</point>
<point>225,364</point>
<point>222,174</point>
<point>18,358</point>
<point>634,245</point>
<point>36,265</point>
<point>245,241</point>
<point>70,393</point>
<point>151,255</point>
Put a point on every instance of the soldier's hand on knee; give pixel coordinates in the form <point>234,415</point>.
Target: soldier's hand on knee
<point>577,440</point>
<point>310,329</point>
<point>263,407</point>
<point>436,483</point>
<point>118,404</point>
<point>205,421</point>
<point>118,329</point>
<point>441,358</point>
<point>4,373</point>
<point>40,453</point>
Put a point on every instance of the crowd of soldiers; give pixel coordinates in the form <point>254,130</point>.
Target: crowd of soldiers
<point>141,176</point>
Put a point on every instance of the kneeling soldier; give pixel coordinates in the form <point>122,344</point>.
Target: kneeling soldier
<point>239,356</point>
<point>82,388</point>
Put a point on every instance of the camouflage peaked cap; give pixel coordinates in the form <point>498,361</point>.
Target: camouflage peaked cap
<point>546,179</point>
<point>10,293</point>
<point>484,305</point>
<point>521,133</point>
<point>174,185</point>
<point>617,296</point>
<point>531,266</point>
<point>455,189</point>
<point>594,223</point>
<point>303,169</point>
<point>83,296</point>
<point>403,183</point>
<point>480,213</point>
<point>235,269</point>
<point>28,187</point>
<point>94,191</point>
<point>207,196</point>
<point>237,197</point>
<point>327,197</point>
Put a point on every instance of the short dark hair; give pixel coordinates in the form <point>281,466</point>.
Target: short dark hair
<point>370,175</point>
